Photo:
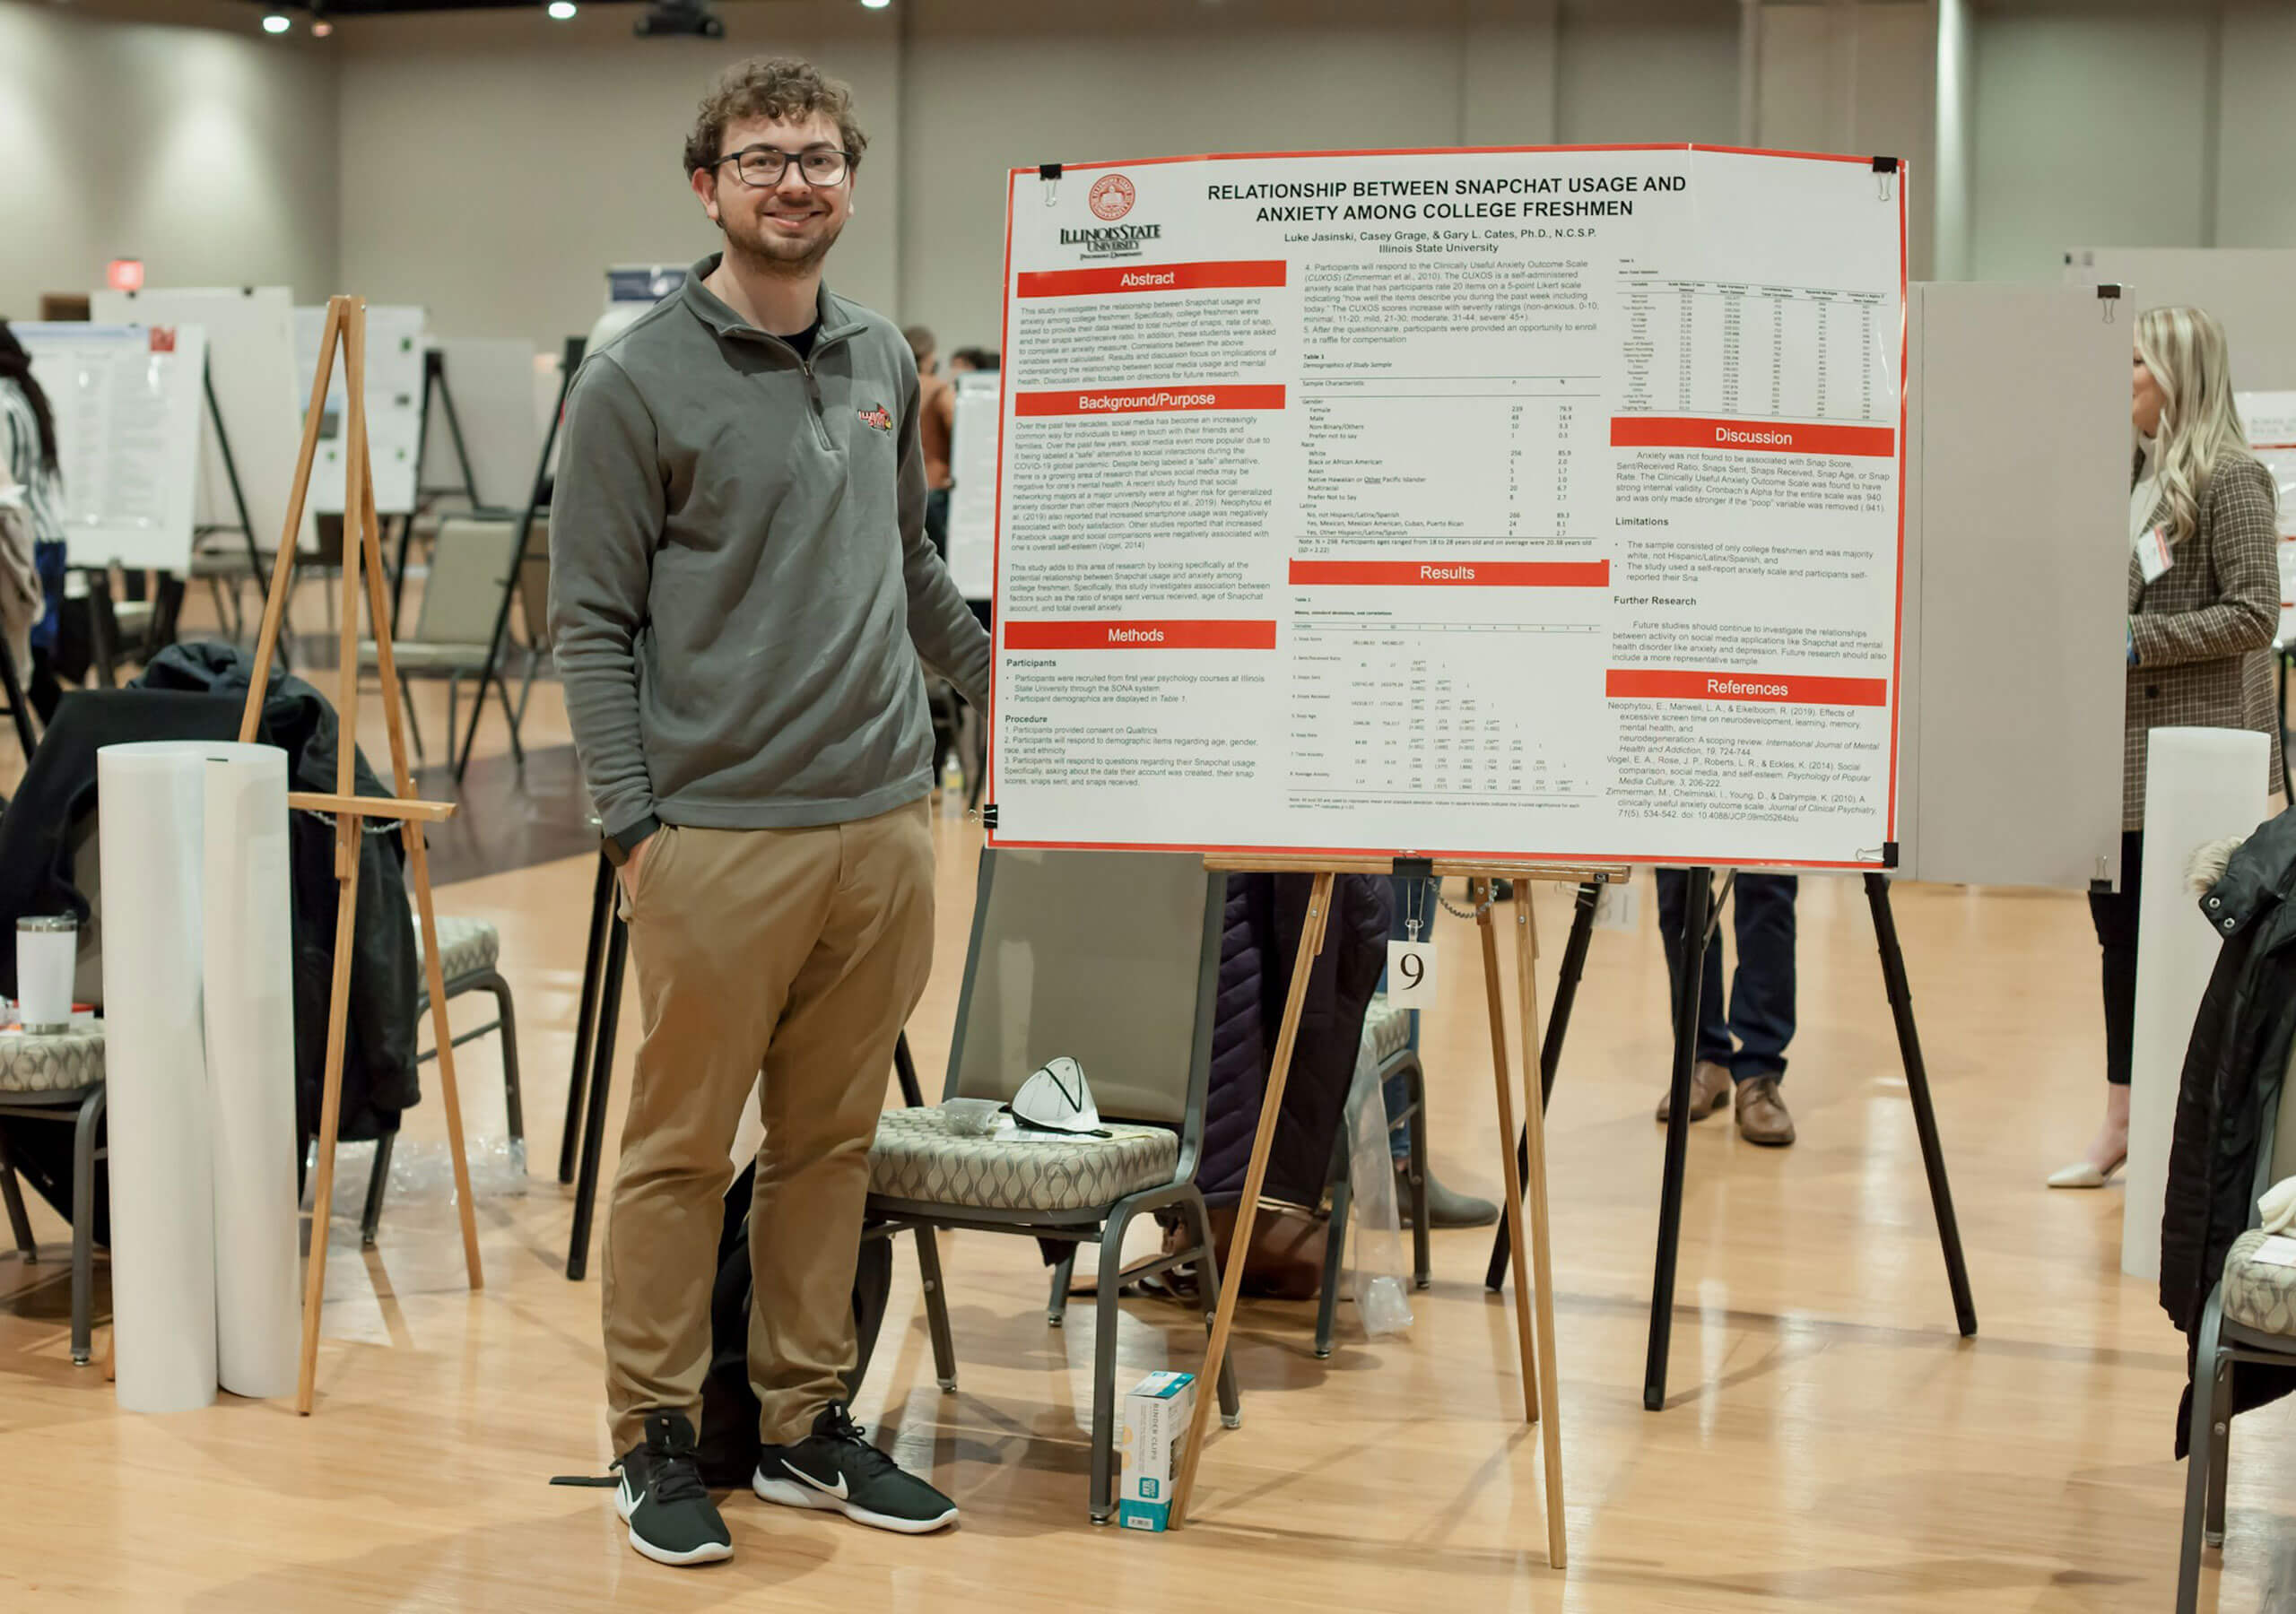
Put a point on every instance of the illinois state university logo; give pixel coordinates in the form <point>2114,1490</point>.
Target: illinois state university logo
<point>1111,198</point>
<point>877,416</point>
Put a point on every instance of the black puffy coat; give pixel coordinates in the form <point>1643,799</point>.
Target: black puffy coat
<point>378,1072</point>
<point>1265,914</point>
<point>2232,1076</point>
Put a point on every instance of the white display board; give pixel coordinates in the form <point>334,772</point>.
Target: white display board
<point>492,380</point>
<point>394,405</point>
<point>251,357</point>
<point>127,403</point>
<point>1532,503</point>
<point>2015,663</point>
<point>972,497</point>
<point>2271,419</point>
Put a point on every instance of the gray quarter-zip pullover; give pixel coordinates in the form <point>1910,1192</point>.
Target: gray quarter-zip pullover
<point>741,584</point>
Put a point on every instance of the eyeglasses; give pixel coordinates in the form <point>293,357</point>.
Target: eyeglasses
<point>763,166</point>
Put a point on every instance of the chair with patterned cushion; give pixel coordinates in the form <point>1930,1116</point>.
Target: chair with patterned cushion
<point>468,951</point>
<point>58,1078</point>
<point>1113,959</point>
<point>2250,1318</point>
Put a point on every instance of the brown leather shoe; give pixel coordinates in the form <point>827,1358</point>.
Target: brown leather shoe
<point>1761,1113</point>
<point>1710,1085</point>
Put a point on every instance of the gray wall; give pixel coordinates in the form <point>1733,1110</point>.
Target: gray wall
<point>209,154</point>
<point>491,164</point>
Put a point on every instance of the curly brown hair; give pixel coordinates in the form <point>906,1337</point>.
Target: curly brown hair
<point>772,87</point>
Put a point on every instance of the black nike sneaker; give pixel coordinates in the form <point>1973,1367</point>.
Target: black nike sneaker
<point>835,1469</point>
<point>672,1519</point>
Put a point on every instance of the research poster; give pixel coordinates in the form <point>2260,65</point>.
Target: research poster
<point>1538,503</point>
<point>127,402</point>
<point>2270,418</point>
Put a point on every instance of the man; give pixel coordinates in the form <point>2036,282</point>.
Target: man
<point>1741,1052</point>
<point>937,422</point>
<point>741,589</point>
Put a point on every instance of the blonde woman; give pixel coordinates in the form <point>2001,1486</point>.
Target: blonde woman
<point>2204,599</point>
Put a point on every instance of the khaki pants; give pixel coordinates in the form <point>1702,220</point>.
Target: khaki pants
<point>798,953</point>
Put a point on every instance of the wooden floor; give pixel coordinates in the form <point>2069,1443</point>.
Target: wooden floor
<point>1829,1442</point>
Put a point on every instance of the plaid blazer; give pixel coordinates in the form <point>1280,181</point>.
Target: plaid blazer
<point>2203,629</point>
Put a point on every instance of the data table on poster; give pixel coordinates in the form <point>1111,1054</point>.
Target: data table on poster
<point>1538,503</point>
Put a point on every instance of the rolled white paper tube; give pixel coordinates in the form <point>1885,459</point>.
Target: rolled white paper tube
<point>2200,784</point>
<point>151,804</point>
<point>250,1012</point>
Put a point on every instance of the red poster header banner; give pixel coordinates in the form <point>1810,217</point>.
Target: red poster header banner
<point>1454,574</point>
<point>1757,436</point>
<point>1152,277</point>
<point>1794,689</point>
<point>1140,636</point>
<point>1145,400</point>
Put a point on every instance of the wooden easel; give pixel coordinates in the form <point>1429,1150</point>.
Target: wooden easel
<point>346,321</point>
<point>1535,1340</point>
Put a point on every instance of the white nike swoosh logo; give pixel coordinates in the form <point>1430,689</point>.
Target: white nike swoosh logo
<point>837,1490</point>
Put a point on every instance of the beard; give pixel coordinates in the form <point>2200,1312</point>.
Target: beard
<point>762,248</point>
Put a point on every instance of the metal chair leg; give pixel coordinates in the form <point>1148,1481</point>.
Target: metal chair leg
<point>1343,1197</point>
<point>454,694</point>
<point>936,1310</point>
<point>510,717</point>
<point>19,1223</point>
<point>1063,1274</point>
<point>2219,1450</point>
<point>2200,1457</point>
<point>1231,1406</point>
<point>1107,1319</point>
<point>379,1181</point>
<point>507,1029</point>
<point>84,1222</point>
<point>413,727</point>
<point>1423,1262</point>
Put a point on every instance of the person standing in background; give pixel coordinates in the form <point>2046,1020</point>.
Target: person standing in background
<point>743,600</point>
<point>938,420</point>
<point>2204,603</point>
<point>28,445</point>
<point>1741,1052</point>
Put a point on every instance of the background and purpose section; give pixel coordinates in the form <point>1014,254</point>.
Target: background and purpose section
<point>1503,503</point>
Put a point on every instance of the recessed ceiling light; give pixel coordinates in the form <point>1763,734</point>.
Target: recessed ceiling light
<point>560,10</point>
<point>322,29</point>
<point>276,22</point>
<point>876,4</point>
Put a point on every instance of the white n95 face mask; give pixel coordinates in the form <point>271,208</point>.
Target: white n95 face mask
<point>1058,1099</point>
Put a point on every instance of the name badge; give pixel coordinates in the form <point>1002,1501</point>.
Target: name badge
<point>2153,555</point>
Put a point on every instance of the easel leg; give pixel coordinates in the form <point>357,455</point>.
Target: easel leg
<point>1558,1026</point>
<point>1480,893</point>
<point>586,1014</point>
<point>1697,907</point>
<point>594,1120</point>
<point>1232,1277</point>
<point>1526,955</point>
<point>1916,1087</point>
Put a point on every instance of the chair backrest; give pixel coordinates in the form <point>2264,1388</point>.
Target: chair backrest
<point>1110,958</point>
<point>471,567</point>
